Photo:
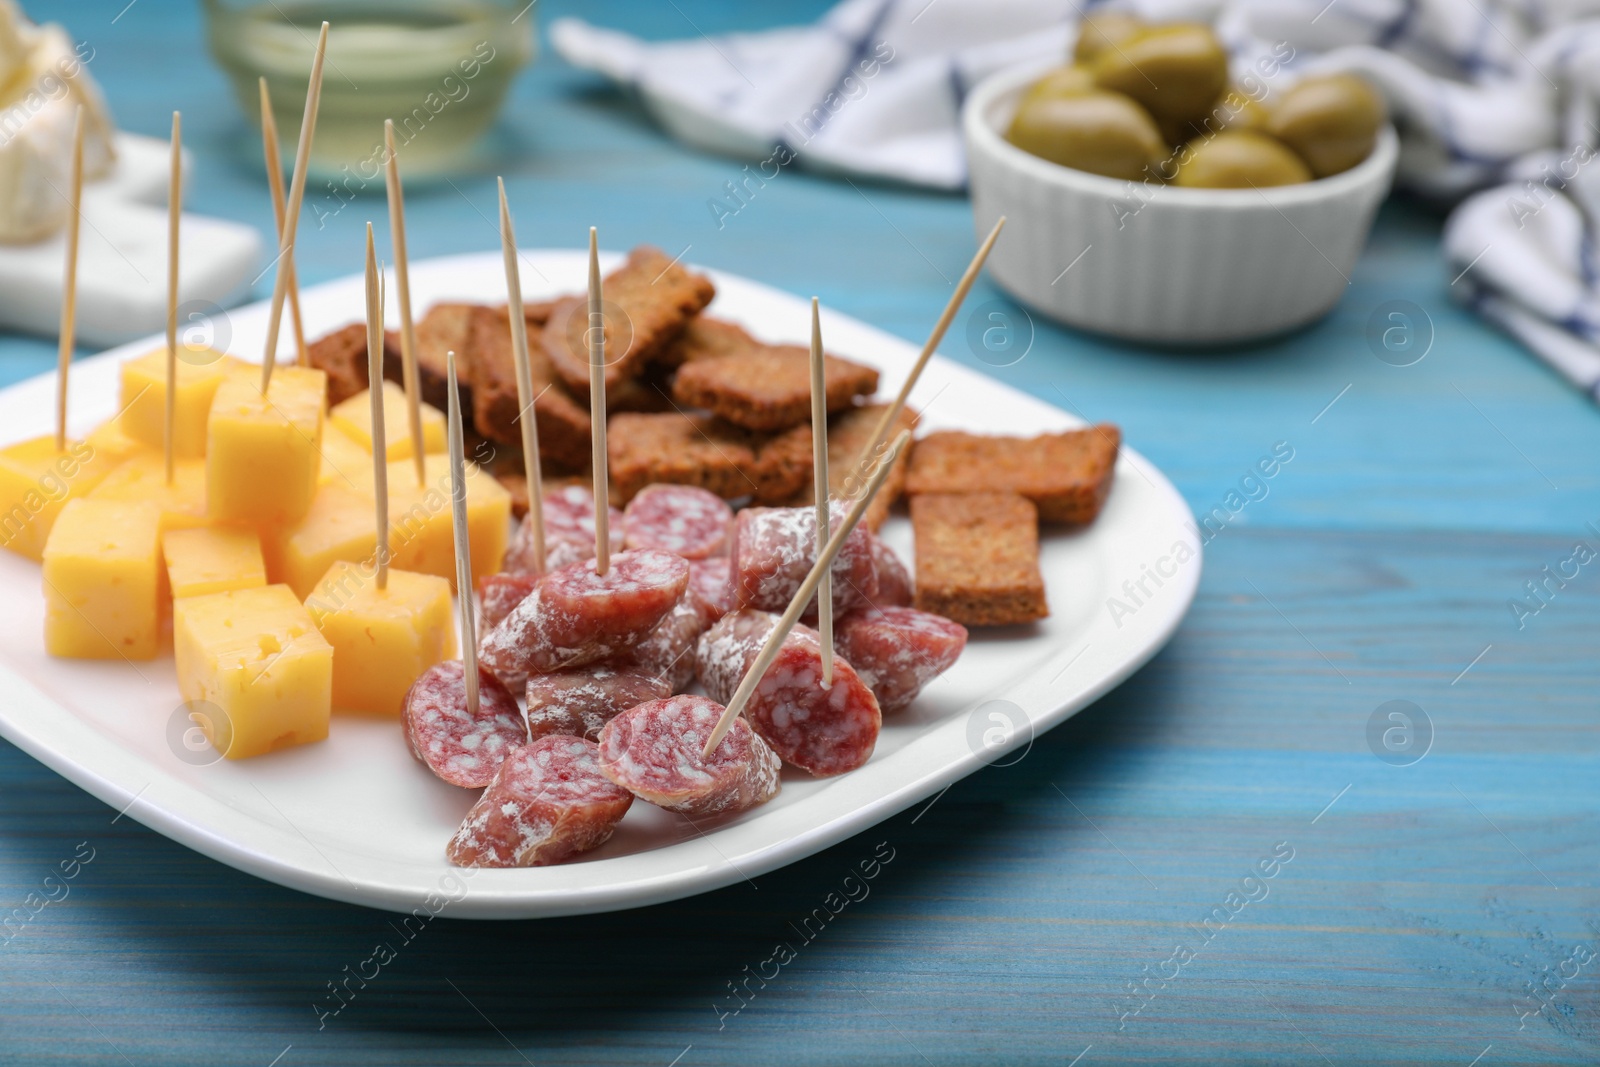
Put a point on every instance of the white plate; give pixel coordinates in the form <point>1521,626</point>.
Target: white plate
<point>357,819</point>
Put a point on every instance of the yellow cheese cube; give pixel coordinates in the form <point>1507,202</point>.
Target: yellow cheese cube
<point>144,477</point>
<point>36,481</point>
<point>213,559</point>
<point>341,525</point>
<point>102,581</point>
<point>112,445</point>
<point>263,452</point>
<point>354,417</point>
<point>144,398</point>
<point>258,660</point>
<point>421,534</point>
<point>344,460</point>
<point>382,638</point>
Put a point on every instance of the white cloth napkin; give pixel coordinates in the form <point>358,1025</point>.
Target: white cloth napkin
<point>1499,99</point>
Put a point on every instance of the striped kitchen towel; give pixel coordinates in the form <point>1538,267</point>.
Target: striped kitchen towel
<point>1496,102</point>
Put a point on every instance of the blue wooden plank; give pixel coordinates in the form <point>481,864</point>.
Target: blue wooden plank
<point>1421,901</point>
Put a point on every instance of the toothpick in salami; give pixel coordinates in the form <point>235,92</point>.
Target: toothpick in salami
<point>402,282</point>
<point>291,218</point>
<point>526,415</point>
<point>596,335</point>
<point>819,470</point>
<point>803,595</point>
<point>458,513</point>
<point>269,146</point>
<point>380,444</point>
<point>864,461</point>
<point>69,294</point>
<point>174,210</point>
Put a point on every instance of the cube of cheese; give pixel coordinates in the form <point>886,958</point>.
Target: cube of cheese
<point>102,581</point>
<point>144,398</point>
<point>212,559</point>
<point>382,638</point>
<point>354,417</point>
<point>344,460</point>
<point>341,525</point>
<point>263,451</point>
<point>36,481</point>
<point>144,477</point>
<point>258,660</point>
<point>421,532</point>
<point>112,445</point>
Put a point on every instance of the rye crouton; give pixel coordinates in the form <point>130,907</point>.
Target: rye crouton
<point>650,299</point>
<point>342,356</point>
<point>977,558</point>
<point>445,327</point>
<point>704,337</point>
<point>848,433</point>
<point>703,450</point>
<point>769,388</point>
<point>563,422</point>
<point>1066,475</point>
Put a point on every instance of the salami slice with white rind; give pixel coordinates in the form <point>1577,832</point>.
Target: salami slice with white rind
<point>685,519</point>
<point>575,616</point>
<point>462,749</point>
<point>548,803</point>
<point>823,730</point>
<point>897,651</point>
<point>895,587</point>
<point>654,751</point>
<point>668,651</point>
<point>568,531</point>
<point>579,702</point>
<point>711,585</point>
<point>499,594</point>
<point>774,550</point>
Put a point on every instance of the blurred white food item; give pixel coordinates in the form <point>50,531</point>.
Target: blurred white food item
<point>122,260</point>
<point>43,80</point>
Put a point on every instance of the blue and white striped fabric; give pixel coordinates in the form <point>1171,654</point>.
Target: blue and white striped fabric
<point>1497,103</point>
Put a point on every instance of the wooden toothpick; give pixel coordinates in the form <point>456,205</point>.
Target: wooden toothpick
<point>519,350</point>
<point>380,443</point>
<point>458,510</point>
<point>291,218</point>
<point>174,210</point>
<point>69,288</point>
<point>803,595</point>
<point>402,281</point>
<point>864,460</point>
<point>269,146</point>
<point>819,468</point>
<point>596,335</point>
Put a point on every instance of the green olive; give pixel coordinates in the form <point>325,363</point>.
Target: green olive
<point>1239,159</point>
<point>1236,111</point>
<point>1103,31</point>
<point>1098,131</point>
<point>1332,122</point>
<point>1063,81</point>
<point>1177,71</point>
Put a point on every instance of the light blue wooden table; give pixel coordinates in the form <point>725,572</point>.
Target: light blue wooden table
<point>1430,913</point>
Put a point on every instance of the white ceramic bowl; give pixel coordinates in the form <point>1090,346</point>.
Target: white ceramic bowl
<point>1157,262</point>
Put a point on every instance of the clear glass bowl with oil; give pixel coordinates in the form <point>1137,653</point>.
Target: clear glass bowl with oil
<point>439,68</point>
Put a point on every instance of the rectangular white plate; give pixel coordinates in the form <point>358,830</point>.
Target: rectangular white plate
<point>357,819</point>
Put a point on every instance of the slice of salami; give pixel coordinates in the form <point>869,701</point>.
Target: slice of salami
<point>775,548</point>
<point>579,702</point>
<point>898,650</point>
<point>668,651</point>
<point>654,751</point>
<point>895,588</point>
<point>568,531</point>
<point>575,616</point>
<point>684,519</point>
<point>548,803</point>
<point>462,749</point>
<point>825,731</point>
<point>499,594</point>
<point>711,585</point>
